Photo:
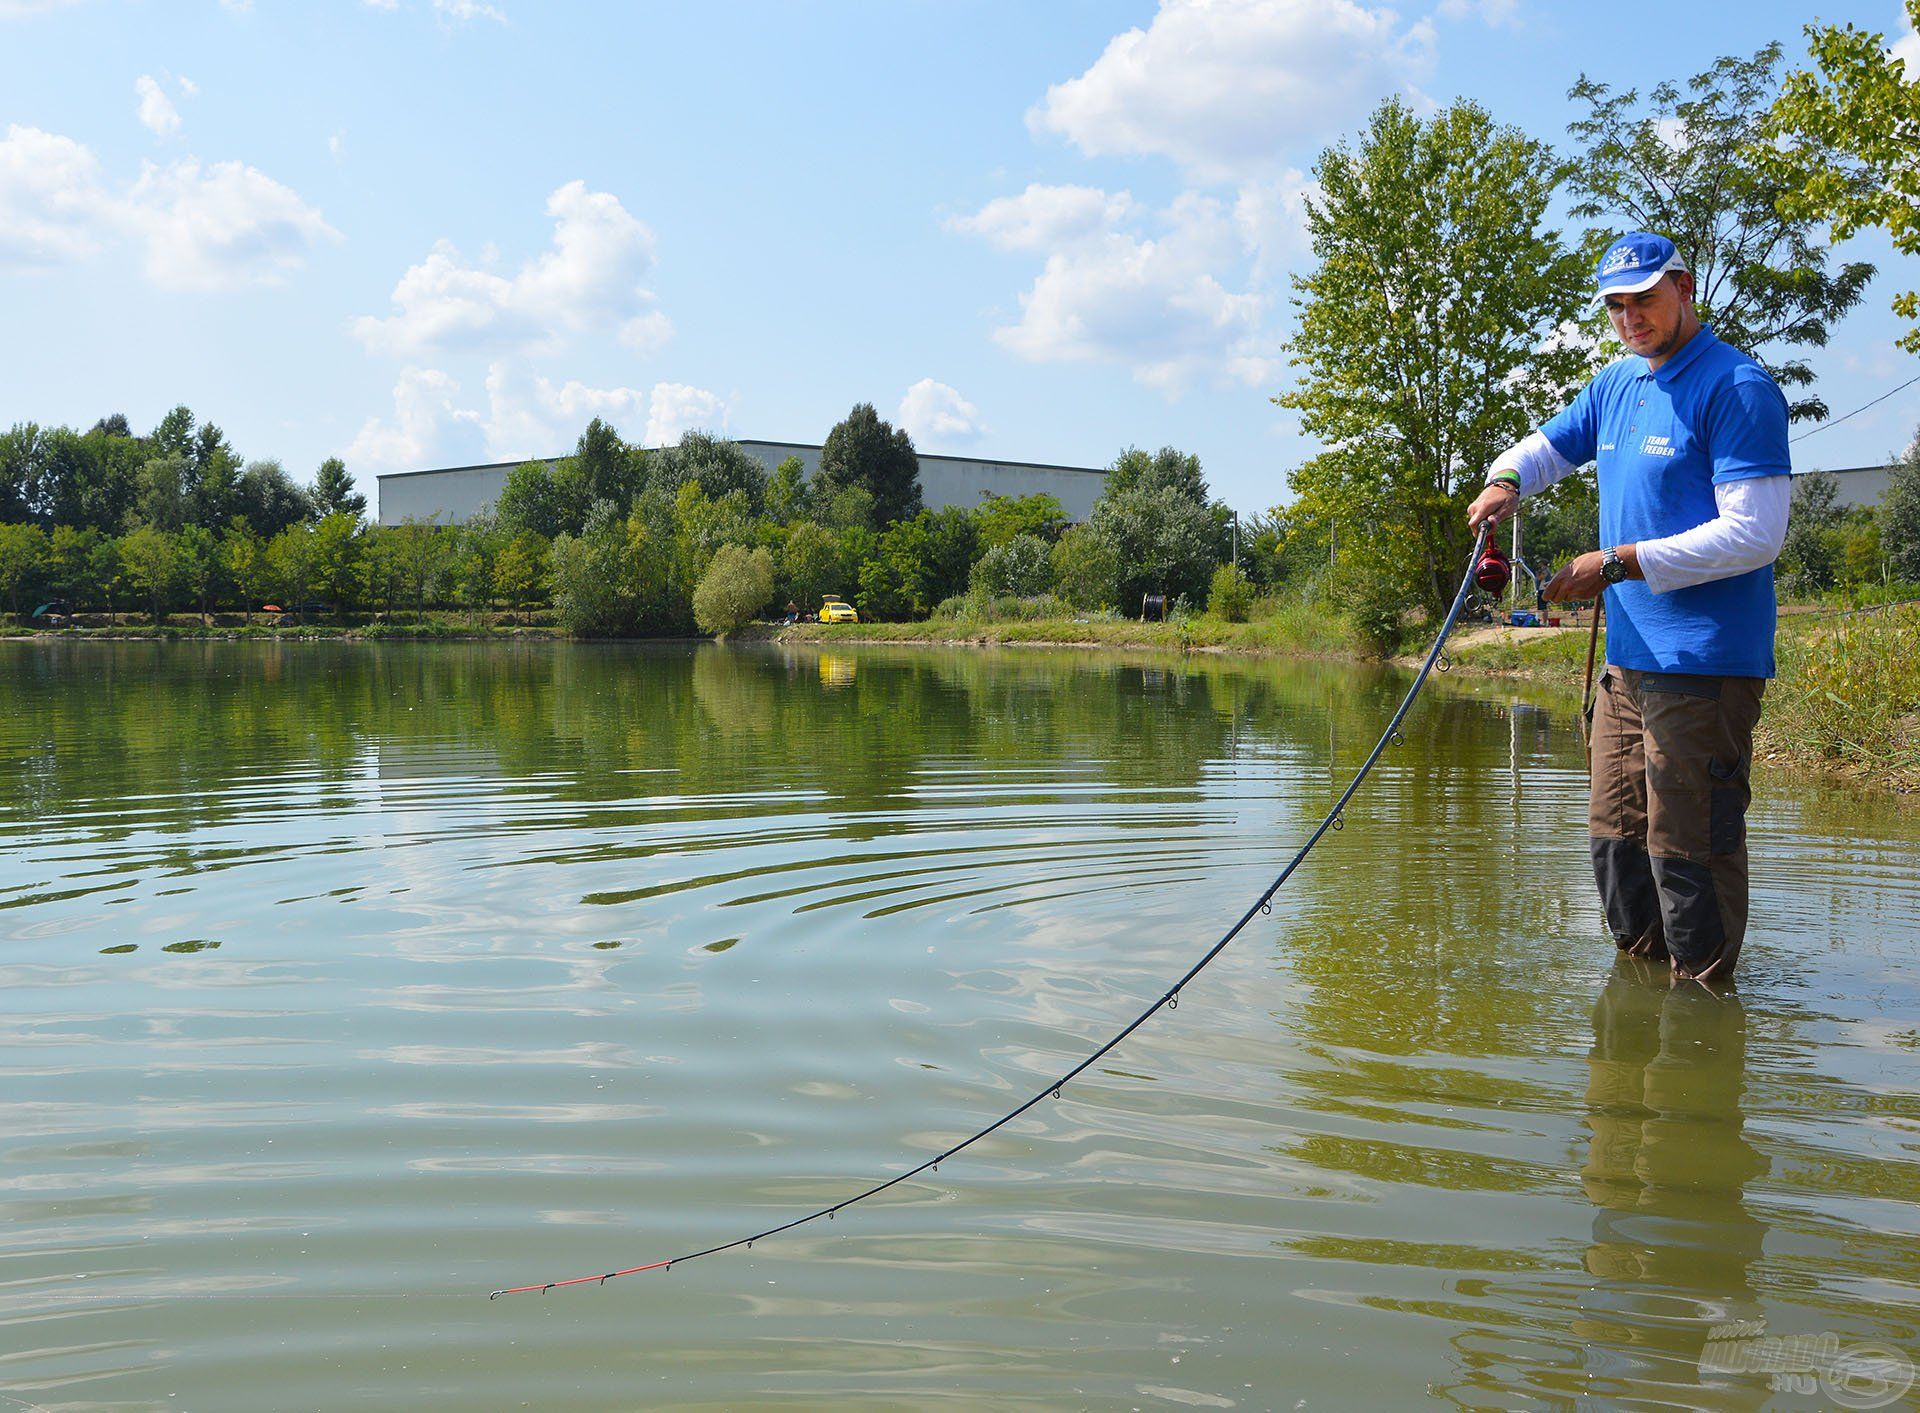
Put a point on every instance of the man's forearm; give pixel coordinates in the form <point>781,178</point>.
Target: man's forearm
<point>1746,535</point>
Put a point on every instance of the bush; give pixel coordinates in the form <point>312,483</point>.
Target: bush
<point>1086,568</point>
<point>1369,598</point>
<point>1231,597</point>
<point>1020,567</point>
<point>737,585</point>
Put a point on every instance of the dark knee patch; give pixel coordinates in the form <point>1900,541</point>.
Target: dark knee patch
<point>1690,910</point>
<point>1627,890</point>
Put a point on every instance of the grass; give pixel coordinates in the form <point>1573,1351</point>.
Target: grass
<point>1280,627</point>
<point>1846,700</point>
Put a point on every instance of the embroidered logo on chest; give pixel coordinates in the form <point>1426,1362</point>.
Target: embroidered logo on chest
<point>1658,446</point>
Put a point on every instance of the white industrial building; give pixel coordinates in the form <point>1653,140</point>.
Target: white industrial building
<point>454,494</point>
<point>1856,485</point>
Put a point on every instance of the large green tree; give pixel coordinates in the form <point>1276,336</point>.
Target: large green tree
<point>865,452</point>
<point>719,467</point>
<point>1850,127</point>
<point>333,490</point>
<point>1900,515</point>
<point>1423,341</point>
<point>1699,165</point>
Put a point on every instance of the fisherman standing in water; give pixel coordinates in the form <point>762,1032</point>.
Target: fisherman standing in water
<point>1690,440</point>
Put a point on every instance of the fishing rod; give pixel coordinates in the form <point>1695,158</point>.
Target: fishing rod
<point>1488,571</point>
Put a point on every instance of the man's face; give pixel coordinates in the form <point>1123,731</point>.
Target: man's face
<point>1652,322</point>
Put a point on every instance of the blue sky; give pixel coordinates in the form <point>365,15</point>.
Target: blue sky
<point>422,232</point>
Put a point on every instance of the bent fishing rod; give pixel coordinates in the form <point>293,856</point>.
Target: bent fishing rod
<point>1489,571</point>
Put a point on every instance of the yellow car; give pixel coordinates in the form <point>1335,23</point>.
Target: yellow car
<point>838,611</point>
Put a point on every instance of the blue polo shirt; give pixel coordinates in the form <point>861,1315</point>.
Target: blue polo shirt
<point>1662,441</point>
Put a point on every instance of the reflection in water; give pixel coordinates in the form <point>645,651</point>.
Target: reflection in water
<point>1674,1240</point>
<point>342,984</point>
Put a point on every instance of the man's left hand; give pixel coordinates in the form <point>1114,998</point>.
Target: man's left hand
<point>1580,579</point>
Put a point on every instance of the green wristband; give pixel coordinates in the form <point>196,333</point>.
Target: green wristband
<point>1509,479</point>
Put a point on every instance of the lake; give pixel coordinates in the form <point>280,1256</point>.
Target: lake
<point>346,983</point>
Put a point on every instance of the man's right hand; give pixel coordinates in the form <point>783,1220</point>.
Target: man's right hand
<point>1496,503</point>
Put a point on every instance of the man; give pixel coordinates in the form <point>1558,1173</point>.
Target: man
<point>1690,440</point>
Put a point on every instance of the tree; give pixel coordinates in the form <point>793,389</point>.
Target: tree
<point>530,503</point>
<point>333,490</point>
<point>1230,597</point>
<point>787,491</point>
<point>1701,168</point>
<point>19,472</point>
<point>1003,518</point>
<point>737,585</point>
<point>596,589</point>
<point>90,480</point>
<point>106,569</point>
<point>1018,568</point>
<point>1850,128</point>
<point>520,570</point>
<point>813,565</point>
<point>1136,470</point>
<point>23,553</point>
<point>1810,556</point>
<point>420,553</point>
<point>197,565</point>
<point>267,496</point>
<point>602,467</point>
<point>69,570</point>
<point>337,546</point>
<point>1422,331</point>
<point>164,498</point>
<point>1163,543</point>
<point>290,565</point>
<point>151,563</point>
<point>1900,515</point>
<point>718,466</point>
<point>865,452</point>
<point>244,556</point>
<point>1086,569</point>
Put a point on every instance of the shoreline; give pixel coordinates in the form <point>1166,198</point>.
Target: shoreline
<point>1809,724</point>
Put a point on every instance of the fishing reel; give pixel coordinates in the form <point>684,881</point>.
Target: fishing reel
<point>1494,571</point>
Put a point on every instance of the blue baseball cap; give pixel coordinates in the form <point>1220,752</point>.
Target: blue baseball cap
<point>1636,262</point>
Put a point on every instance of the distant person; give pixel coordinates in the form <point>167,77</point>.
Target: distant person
<point>793,611</point>
<point>1690,437</point>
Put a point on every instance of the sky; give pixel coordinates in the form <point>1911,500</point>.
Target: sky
<point>417,233</point>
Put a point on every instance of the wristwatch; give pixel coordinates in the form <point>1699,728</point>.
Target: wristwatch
<point>1612,568</point>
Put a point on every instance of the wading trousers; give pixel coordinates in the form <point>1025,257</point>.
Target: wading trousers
<point>1667,818</point>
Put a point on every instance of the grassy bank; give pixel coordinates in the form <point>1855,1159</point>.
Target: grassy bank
<point>192,629</point>
<point>1846,701</point>
<point>1290,628</point>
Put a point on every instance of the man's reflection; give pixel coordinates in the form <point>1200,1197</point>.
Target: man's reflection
<point>1667,1167</point>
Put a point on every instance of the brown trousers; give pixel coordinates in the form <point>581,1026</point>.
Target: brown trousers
<point>1667,817</point>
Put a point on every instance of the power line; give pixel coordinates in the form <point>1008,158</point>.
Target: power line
<point>1856,411</point>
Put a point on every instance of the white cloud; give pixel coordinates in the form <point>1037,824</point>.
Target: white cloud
<point>222,226</point>
<point>204,228</point>
<point>337,144</point>
<point>935,413</point>
<point>589,280</point>
<point>1233,87</point>
<point>1042,217</point>
<point>427,429</point>
<point>523,417</point>
<point>53,206</point>
<point>1148,293</point>
<point>156,111</point>
<point>1271,217</point>
<point>188,86</point>
<point>677,408</point>
<point>1493,12</point>
<point>1907,49</point>
<point>535,418</point>
<point>467,10</point>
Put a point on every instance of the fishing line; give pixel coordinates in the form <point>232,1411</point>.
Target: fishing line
<point>1169,999</point>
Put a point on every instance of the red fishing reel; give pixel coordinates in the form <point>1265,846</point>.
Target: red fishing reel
<point>1494,571</point>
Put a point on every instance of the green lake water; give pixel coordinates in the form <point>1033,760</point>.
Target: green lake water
<point>342,984</point>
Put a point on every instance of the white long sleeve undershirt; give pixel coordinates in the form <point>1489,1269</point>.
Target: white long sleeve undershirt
<point>1746,534</point>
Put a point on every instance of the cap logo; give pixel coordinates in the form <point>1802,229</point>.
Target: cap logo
<point>1621,257</point>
